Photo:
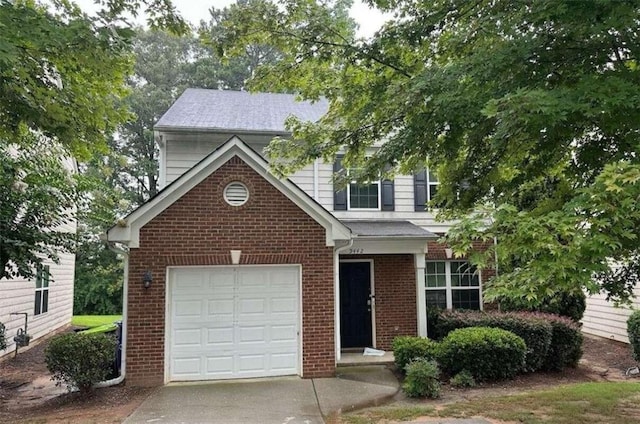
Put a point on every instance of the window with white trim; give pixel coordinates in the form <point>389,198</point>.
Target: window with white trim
<point>432,185</point>
<point>41,305</point>
<point>363,195</point>
<point>452,285</point>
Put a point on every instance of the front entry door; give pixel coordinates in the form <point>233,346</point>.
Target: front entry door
<point>355,304</point>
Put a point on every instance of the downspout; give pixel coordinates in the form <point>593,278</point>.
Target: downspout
<point>336,294</point>
<point>125,290</point>
<point>316,182</point>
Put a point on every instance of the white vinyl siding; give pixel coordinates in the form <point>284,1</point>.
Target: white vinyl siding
<point>602,318</point>
<point>181,151</point>
<point>17,295</point>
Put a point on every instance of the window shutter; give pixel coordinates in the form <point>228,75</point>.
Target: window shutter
<point>339,196</point>
<point>420,190</point>
<point>388,194</point>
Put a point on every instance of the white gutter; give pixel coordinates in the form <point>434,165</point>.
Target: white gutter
<point>123,352</point>
<point>336,295</point>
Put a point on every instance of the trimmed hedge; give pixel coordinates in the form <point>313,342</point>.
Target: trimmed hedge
<point>535,330</point>
<point>566,343</point>
<point>568,304</point>
<point>422,379</point>
<point>486,353</point>
<point>80,360</point>
<point>408,348</point>
<point>633,330</point>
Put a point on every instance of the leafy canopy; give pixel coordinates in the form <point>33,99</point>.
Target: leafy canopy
<point>528,112</point>
<point>62,79</point>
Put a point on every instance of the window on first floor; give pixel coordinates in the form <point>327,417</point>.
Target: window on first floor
<point>41,305</point>
<point>452,285</point>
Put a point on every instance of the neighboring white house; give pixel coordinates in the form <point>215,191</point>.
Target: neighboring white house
<point>48,300</point>
<point>604,319</point>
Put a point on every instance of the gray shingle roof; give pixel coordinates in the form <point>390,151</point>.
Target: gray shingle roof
<point>237,111</point>
<point>403,229</point>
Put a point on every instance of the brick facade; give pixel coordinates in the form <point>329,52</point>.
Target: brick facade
<point>435,252</point>
<point>200,229</point>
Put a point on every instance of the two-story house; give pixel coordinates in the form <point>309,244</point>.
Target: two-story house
<point>233,272</point>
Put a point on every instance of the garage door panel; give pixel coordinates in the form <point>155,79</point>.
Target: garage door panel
<point>252,307</point>
<point>220,337</point>
<point>251,334</point>
<point>187,308</point>
<point>219,364</point>
<point>285,279</point>
<point>284,333</point>
<point>283,361</point>
<point>187,337</point>
<point>220,309</point>
<point>186,366</point>
<point>234,322</point>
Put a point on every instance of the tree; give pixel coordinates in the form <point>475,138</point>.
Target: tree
<point>62,75</point>
<point>528,111</point>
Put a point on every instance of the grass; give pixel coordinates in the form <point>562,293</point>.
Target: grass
<point>584,403</point>
<point>386,414</point>
<point>91,321</point>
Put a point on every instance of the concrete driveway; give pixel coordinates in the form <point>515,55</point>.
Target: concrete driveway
<point>287,400</point>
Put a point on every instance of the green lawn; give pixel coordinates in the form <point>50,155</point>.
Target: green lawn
<point>584,403</point>
<point>94,320</point>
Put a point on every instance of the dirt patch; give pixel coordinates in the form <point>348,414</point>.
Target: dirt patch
<point>27,394</point>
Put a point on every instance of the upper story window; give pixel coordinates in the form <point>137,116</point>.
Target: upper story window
<point>373,195</point>
<point>363,195</point>
<point>425,185</point>
<point>41,305</point>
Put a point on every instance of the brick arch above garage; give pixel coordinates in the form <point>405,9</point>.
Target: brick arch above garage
<point>200,228</point>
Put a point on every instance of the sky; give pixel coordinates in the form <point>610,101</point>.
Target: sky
<point>194,10</point>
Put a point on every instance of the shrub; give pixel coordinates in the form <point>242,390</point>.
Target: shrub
<point>633,330</point>
<point>408,348</point>
<point>566,343</point>
<point>80,360</point>
<point>534,330</point>
<point>486,353</point>
<point>569,304</point>
<point>422,379</point>
<point>3,337</point>
<point>463,379</point>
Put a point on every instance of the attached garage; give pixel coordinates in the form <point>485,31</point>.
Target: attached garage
<point>233,322</point>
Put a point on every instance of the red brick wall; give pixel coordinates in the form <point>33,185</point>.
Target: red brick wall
<point>395,288</point>
<point>435,251</point>
<point>200,229</point>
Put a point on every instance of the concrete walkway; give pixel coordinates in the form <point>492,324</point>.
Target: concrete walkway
<point>287,400</point>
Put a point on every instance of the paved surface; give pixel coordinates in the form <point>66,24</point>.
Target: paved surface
<point>288,400</point>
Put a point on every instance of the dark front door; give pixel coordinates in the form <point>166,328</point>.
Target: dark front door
<point>355,304</point>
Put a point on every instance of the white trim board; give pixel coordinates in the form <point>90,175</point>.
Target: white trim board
<point>128,230</point>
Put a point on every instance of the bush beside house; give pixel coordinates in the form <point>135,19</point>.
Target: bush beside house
<point>3,337</point>
<point>633,330</point>
<point>486,353</point>
<point>80,360</point>
<point>535,330</point>
<point>481,346</point>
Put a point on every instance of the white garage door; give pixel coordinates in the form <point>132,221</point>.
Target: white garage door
<point>233,322</point>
